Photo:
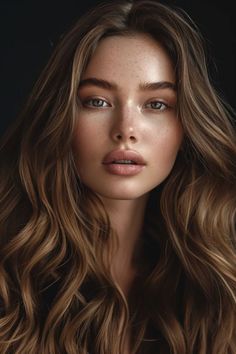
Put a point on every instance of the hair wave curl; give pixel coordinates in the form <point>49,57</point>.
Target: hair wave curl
<point>56,242</point>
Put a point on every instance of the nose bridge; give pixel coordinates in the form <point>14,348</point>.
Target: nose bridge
<point>126,120</point>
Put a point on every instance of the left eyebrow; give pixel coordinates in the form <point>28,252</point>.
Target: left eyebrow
<point>149,86</point>
<point>146,86</point>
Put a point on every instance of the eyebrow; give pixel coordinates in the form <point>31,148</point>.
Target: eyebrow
<point>145,86</point>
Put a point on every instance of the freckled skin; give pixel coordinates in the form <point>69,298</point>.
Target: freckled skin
<point>155,134</point>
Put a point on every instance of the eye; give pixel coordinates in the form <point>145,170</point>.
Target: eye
<point>95,102</point>
<point>158,105</point>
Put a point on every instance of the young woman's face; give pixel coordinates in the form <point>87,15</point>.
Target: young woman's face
<point>128,102</point>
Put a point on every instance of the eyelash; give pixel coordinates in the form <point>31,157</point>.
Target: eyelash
<point>162,104</point>
<point>93,99</point>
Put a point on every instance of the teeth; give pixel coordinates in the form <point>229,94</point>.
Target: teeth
<point>124,162</point>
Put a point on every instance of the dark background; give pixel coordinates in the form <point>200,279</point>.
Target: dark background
<point>31,29</point>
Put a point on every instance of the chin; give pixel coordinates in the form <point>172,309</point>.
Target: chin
<point>122,195</point>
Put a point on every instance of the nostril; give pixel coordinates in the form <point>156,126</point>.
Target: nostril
<point>120,137</point>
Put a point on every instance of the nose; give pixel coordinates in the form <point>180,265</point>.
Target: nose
<point>125,126</point>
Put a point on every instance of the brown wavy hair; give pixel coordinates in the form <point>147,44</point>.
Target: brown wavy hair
<point>57,294</point>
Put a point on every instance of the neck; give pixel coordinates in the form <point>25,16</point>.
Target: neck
<point>127,217</point>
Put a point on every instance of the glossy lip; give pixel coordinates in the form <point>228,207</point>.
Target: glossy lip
<point>123,170</point>
<point>119,154</point>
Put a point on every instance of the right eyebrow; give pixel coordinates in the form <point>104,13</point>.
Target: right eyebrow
<point>92,81</point>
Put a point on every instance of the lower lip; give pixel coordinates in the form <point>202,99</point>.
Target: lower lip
<point>123,170</point>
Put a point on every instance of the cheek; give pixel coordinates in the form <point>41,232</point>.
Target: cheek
<point>167,142</point>
<point>85,136</point>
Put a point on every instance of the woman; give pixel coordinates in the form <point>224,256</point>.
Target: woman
<point>118,195</point>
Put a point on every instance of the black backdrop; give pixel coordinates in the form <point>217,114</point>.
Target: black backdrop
<point>31,29</point>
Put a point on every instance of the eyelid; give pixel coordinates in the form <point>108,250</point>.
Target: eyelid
<point>167,105</point>
<point>153,100</point>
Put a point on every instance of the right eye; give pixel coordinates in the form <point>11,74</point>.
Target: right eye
<point>95,102</point>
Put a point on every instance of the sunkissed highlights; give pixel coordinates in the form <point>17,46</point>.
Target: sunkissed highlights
<point>57,294</point>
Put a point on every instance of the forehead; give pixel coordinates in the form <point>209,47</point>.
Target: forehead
<point>136,57</point>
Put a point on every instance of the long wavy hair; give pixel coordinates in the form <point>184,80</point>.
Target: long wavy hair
<point>57,295</point>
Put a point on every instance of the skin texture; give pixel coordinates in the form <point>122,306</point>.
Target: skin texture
<point>125,118</point>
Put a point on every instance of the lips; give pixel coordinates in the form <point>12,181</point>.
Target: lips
<point>117,155</point>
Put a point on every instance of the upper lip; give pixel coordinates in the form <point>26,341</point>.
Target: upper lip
<point>115,155</point>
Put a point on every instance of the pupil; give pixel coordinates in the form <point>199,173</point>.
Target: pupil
<point>98,103</point>
<point>156,104</point>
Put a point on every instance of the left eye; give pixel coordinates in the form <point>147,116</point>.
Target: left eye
<point>95,102</point>
<point>160,106</point>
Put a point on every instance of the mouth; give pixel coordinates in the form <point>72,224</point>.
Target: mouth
<point>123,162</point>
<point>124,157</point>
